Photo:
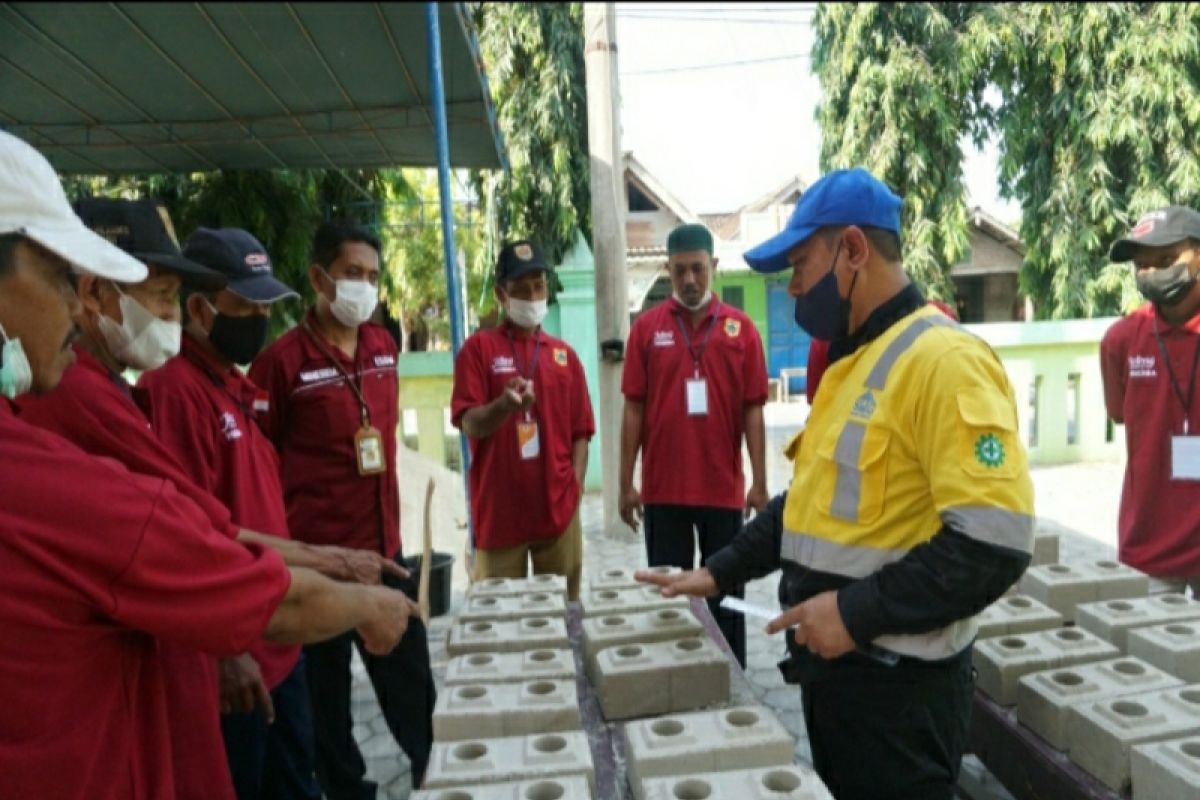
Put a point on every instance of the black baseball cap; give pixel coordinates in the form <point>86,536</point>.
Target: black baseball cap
<point>1158,228</point>
<point>517,259</point>
<point>241,259</point>
<point>139,228</point>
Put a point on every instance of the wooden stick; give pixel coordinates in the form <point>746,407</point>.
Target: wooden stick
<point>426,555</point>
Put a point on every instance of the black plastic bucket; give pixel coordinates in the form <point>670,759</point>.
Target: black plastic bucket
<point>439,580</point>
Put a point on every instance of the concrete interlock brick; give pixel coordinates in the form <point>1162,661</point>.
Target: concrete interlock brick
<point>1045,549</point>
<point>623,578</point>
<point>612,630</point>
<point>1174,647</point>
<point>509,587</point>
<point>510,758</point>
<point>705,741</point>
<point>1101,733</point>
<point>772,783</point>
<point>1001,662</point>
<point>639,680</point>
<point>534,633</point>
<point>510,667</point>
<point>1166,769</point>
<point>627,601</point>
<point>1114,619</point>
<point>506,709</point>
<point>1043,698</point>
<point>529,604</point>
<point>1065,586</point>
<point>561,788</point>
<point>1016,614</point>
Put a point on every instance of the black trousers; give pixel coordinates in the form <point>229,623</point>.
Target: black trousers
<point>403,683</point>
<point>670,542</point>
<point>881,732</point>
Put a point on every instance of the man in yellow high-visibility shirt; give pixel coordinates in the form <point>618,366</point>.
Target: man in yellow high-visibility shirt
<point>910,510</point>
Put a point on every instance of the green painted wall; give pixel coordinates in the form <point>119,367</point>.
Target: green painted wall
<point>754,296</point>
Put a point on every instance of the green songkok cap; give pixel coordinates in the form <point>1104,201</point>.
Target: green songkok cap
<point>689,237</point>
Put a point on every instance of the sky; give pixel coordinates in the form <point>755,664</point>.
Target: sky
<point>718,102</point>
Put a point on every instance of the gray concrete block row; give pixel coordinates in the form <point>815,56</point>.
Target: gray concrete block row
<point>530,604</point>
<point>622,578</point>
<point>1016,614</point>
<point>705,741</point>
<point>1045,549</point>
<point>534,633</point>
<point>1001,662</point>
<point>773,783</point>
<point>1174,647</point>
<point>1113,619</point>
<point>565,788</point>
<point>1064,586</point>
<point>486,668</point>
<point>543,757</point>
<point>648,626</point>
<point>508,587</point>
<point>627,601</point>
<point>1044,698</point>
<point>506,709</point>
<point>1101,733</point>
<point>650,678</point>
<point>1166,769</point>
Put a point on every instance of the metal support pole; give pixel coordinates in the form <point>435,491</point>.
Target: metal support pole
<point>453,293</point>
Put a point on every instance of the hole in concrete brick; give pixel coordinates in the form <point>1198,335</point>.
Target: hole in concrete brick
<point>1191,696</point>
<point>692,790</point>
<point>480,660</point>
<point>536,623</point>
<point>541,688</point>
<point>455,795</point>
<point>741,719</point>
<point>1191,749</point>
<point>541,656</point>
<point>661,570</point>
<point>668,616</point>
<point>1019,602</point>
<point>629,652</point>
<point>479,627</point>
<point>1070,635</point>
<point>549,744</point>
<point>470,751</point>
<point>1067,679</point>
<point>494,582</point>
<point>667,727</point>
<point>1059,568</point>
<point>545,790</point>
<point>538,598</point>
<point>1127,709</point>
<point>1180,630</point>
<point>689,644</point>
<point>607,594</point>
<point>543,578</point>
<point>615,573</point>
<point>1173,599</point>
<point>1107,565</point>
<point>472,692</point>
<point>780,781</point>
<point>1012,643</point>
<point>486,601</point>
<point>1120,605</point>
<point>612,622</point>
<point>1129,668</point>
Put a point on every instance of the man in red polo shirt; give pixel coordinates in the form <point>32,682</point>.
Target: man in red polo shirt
<point>333,414</point>
<point>695,382</point>
<point>521,398</point>
<point>1148,363</point>
<point>99,570</point>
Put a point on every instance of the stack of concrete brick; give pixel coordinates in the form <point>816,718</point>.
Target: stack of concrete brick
<point>507,636</point>
<point>629,600</point>
<point>774,783</point>
<point>1001,662</point>
<point>1016,614</point>
<point>558,788</point>
<point>511,587</point>
<point>1065,586</point>
<point>506,709</point>
<point>1114,619</point>
<point>488,608</point>
<point>641,680</point>
<point>1174,647</point>
<point>539,758</point>
<point>1166,769</point>
<point>623,578</point>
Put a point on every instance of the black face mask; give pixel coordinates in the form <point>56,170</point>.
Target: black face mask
<point>1167,286</point>
<point>239,339</point>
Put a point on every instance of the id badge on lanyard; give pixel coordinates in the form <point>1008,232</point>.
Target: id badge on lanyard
<point>1185,449</point>
<point>527,439</point>
<point>696,388</point>
<point>368,445</point>
<point>697,396</point>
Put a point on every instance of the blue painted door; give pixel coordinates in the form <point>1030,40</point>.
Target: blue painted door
<point>787,343</point>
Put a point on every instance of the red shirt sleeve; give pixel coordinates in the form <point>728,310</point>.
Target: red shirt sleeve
<point>633,374</point>
<point>583,424</point>
<point>470,381</point>
<point>818,360</point>
<point>754,369</point>
<point>173,414</point>
<point>269,373</point>
<point>1112,370</point>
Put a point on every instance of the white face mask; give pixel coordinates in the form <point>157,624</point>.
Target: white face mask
<point>354,302</point>
<point>525,313</point>
<point>703,300</point>
<point>16,376</point>
<point>142,340</point>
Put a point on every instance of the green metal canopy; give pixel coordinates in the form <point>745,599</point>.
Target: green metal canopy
<point>172,87</point>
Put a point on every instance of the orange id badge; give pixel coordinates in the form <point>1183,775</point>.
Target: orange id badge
<point>527,439</point>
<point>368,445</point>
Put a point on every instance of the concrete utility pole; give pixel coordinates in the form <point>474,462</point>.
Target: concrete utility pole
<point>608,239</point>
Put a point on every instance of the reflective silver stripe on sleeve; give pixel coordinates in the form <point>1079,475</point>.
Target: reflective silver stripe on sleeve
<point>837,559</point>
<point>883,367</point>
<point>934,645</point>
<point>848,489</point>
<point>992,525</point>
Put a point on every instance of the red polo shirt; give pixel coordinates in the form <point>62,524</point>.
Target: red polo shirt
<point>98,566</point>
<point>514,499</point>
<point>312,419</point>
<point>204,415</point>
<point>1158,531</point>
<point>95,410</point>
<point>694,460</point>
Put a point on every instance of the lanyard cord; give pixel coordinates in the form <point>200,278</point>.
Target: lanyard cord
<point>1185,402</point>
<point>362,402</point>
<point>687,339</point>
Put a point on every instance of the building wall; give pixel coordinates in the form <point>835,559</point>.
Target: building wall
<point>648,228</point>
<point>754,296</point>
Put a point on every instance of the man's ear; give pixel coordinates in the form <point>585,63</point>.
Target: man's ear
<point>197,306</point>
<point>858,249</point>
<point>315,274</point>
<point>88,287</point>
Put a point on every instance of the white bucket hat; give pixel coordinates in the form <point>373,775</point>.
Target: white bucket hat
<point>33,204</point>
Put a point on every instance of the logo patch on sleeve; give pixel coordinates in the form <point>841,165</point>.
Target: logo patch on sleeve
<point>989,450</point>
<point>560,356</point>
<point>732,328</point>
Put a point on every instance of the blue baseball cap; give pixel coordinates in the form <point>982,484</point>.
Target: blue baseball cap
<point>842,197</point>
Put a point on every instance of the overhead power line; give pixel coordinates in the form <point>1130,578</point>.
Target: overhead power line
<point>719,65</point>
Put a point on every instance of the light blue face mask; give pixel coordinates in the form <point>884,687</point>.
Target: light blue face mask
<point>16,377</point>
